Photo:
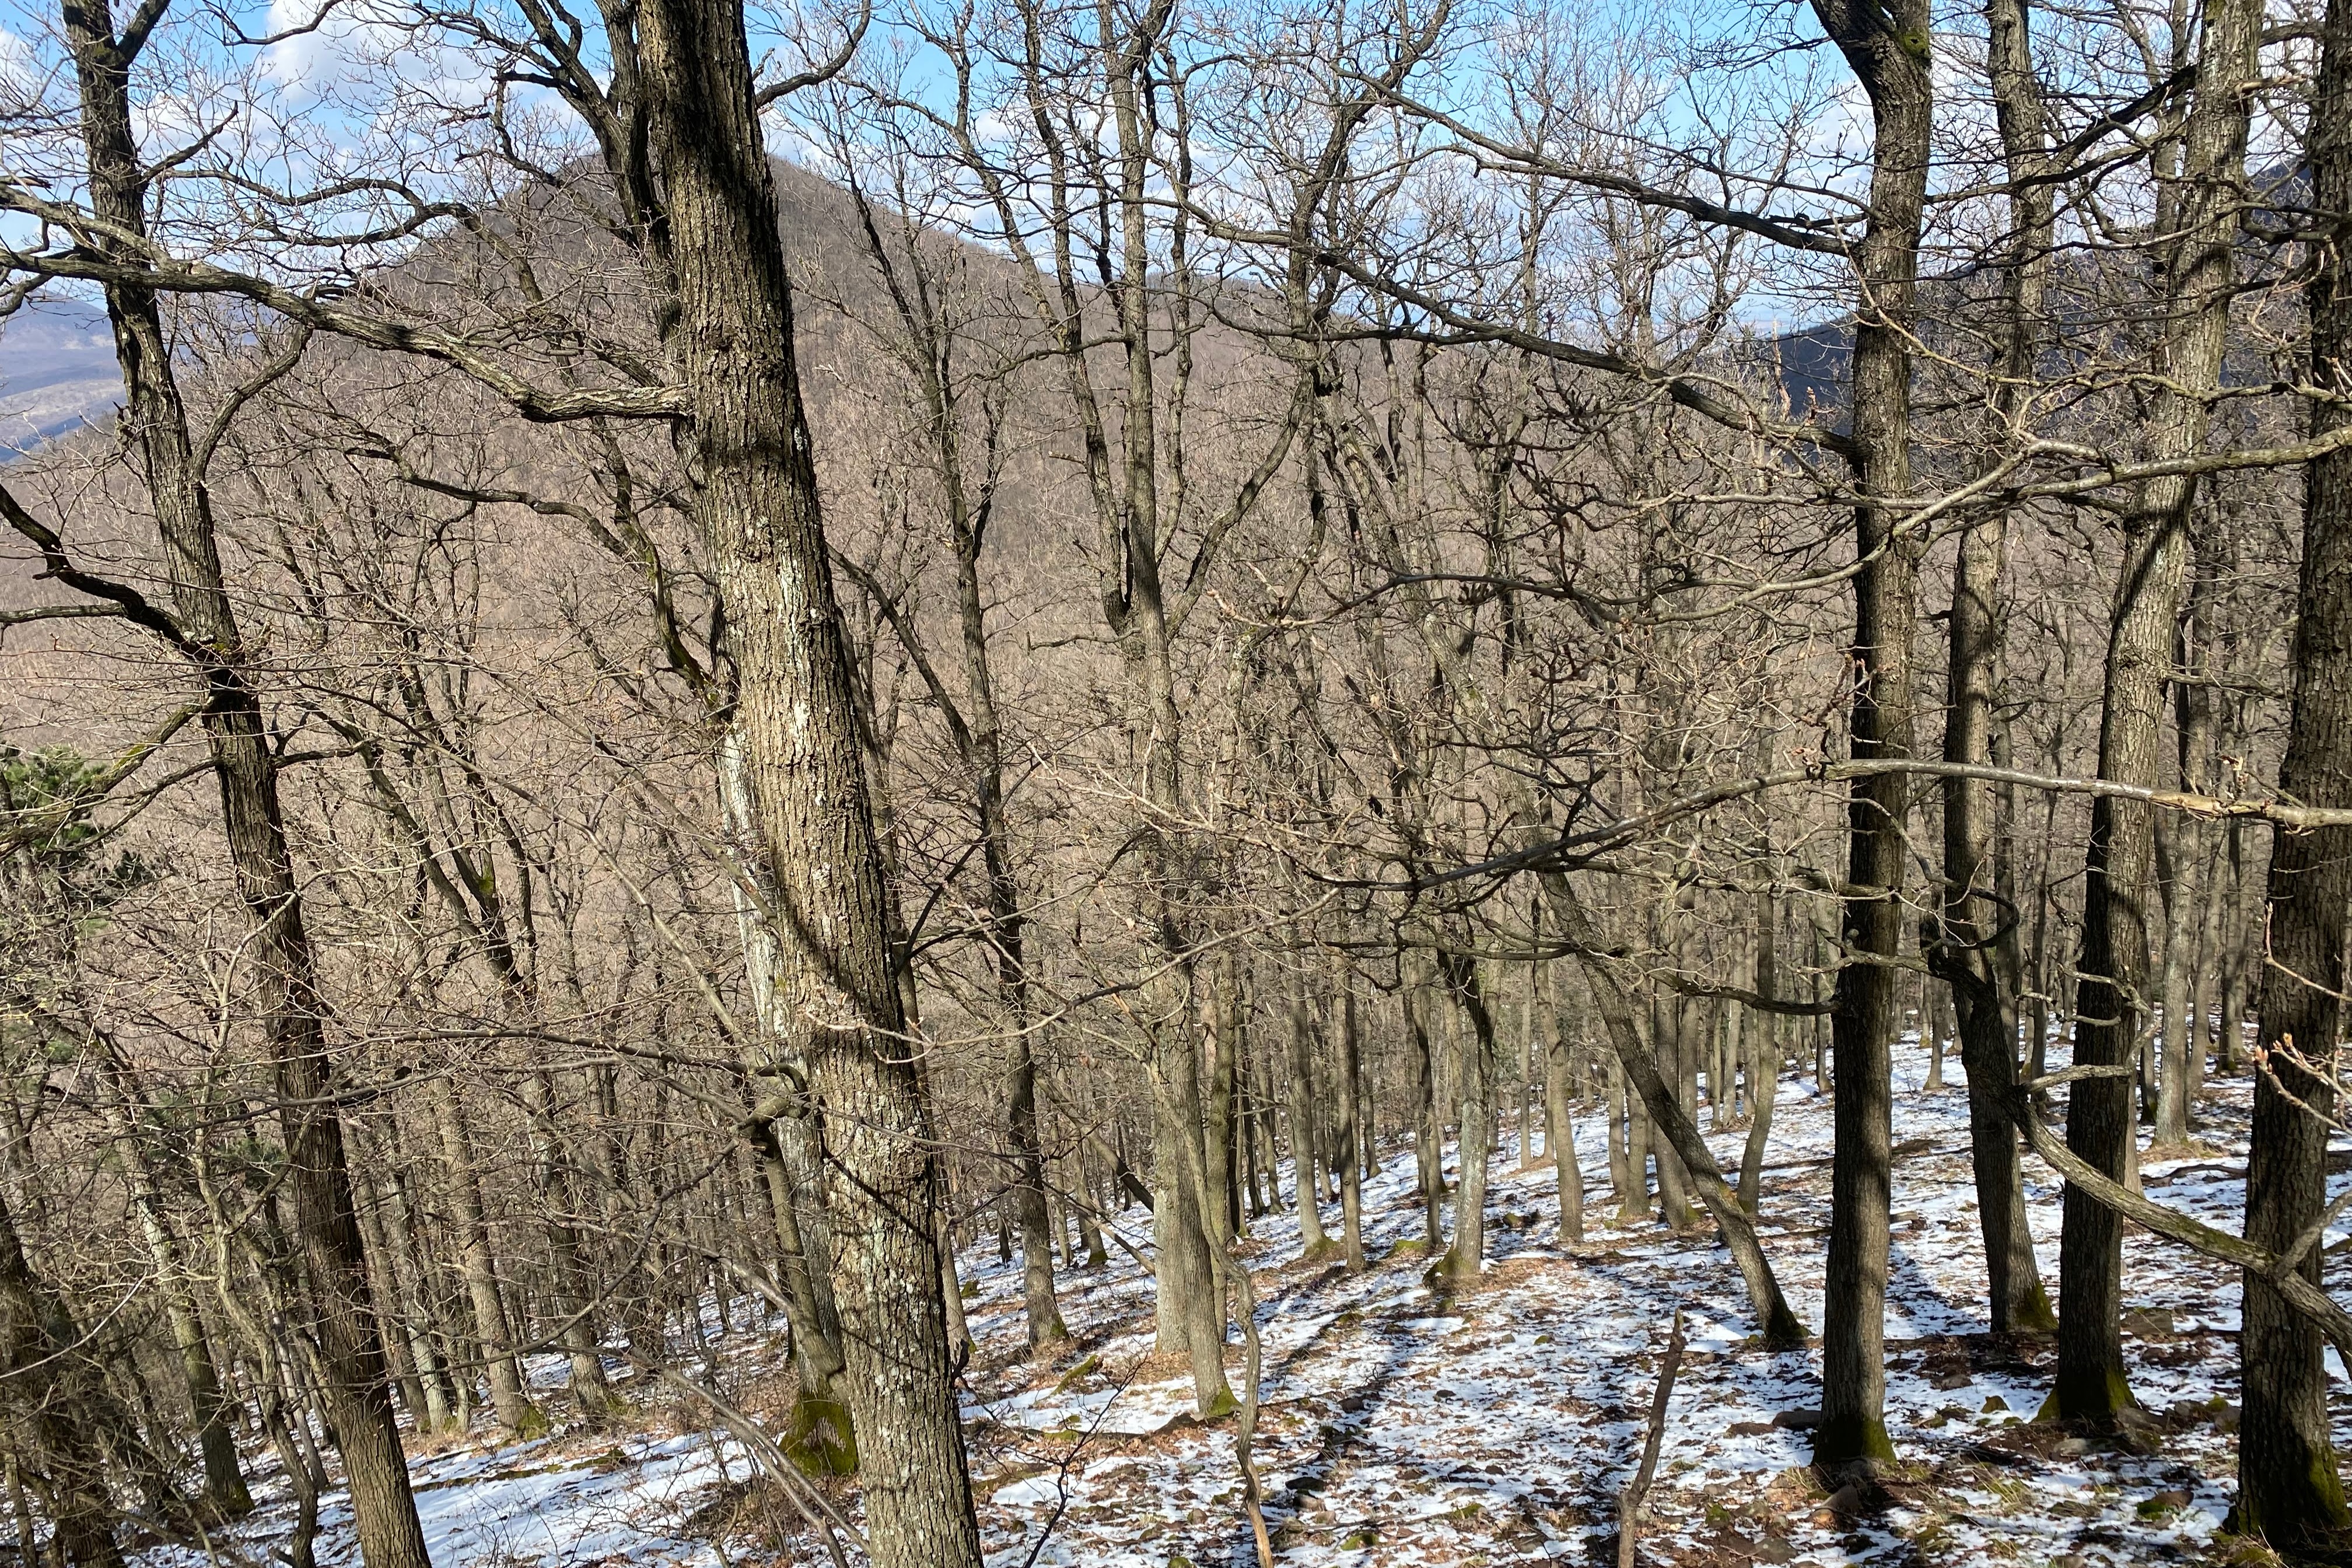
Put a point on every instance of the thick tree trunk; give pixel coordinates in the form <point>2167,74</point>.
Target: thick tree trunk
<point>1888,51</point>
<point>2112,1000</point>
<point>2289,1490</point>
<point>755,497</point>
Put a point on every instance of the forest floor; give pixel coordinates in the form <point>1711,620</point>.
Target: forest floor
<point>1405,1425</point>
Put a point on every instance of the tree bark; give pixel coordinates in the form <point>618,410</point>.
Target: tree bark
<point>478,1266</point>
<point>2112,1000</point>
<point>1963,949</point>
<point>1351,1145</point>
<point>1304,1126</point>
<point>559,1184</point>
<point>746,441</point>
<point>1888,52</point>
<point>225,1494</point>
<point>1474,1143</point>
<point>1560,1108</point>
<point>1428,1146</point>
<point>1763,1057</point>
<point>286,998</point>
<point>2289,1490</point>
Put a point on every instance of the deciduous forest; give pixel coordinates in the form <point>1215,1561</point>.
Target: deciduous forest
<point>1165,783</point>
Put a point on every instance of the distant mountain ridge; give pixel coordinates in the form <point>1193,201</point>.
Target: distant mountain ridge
<point>56,372</point>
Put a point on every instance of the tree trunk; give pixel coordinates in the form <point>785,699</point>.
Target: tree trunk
<point>755,497</point>
<point>1962,950</point>
<point>1775,1322</point>
<point>284,990</point>
<point>40,1363</point>
<point>2179,965</point>
<point>2111,1002</point>
<point>1428,1146</point>
<point>1560,1108</point>
<point>1474,1144</point>
<point>476,1264</point>
<point>2289,1491</point>
<point>1224,1039</point>
<point>225,1495</point>
<point>1888,52</point>
<point>574,1301</point>
<point>1763,1056</point>
<point>412,1289</point>
<point>1351,1166</point>
<point>1304,1131</point>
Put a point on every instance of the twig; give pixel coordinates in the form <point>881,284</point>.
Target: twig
<point>1635,1494</point>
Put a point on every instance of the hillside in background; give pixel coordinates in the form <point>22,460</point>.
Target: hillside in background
<point>56,372</point>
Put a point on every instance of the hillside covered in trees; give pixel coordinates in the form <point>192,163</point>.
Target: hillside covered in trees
<point>935,783</point>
